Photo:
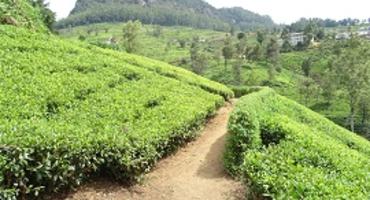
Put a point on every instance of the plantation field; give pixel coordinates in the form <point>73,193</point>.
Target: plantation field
<point>166,47</point>
<point>70,110</point>
<point>284,150</point>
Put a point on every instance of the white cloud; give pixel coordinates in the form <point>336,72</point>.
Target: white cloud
<point>281,11</point>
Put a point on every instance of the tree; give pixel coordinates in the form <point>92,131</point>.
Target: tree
<point>130,35</point>
<point>48,16</point>
<point>285,33</point>
<point>260,37</point>
<point>352,71</point>
<point>306,67</point>
<point>227,50</point>
<point>232,30</point>
<point>256,53</point>
<point>241,48</point>
<point>272,54</point>
<point>157,31</point>
<point>329,83</point>
<point>199,60</point>
<point>241,36</point>
<point>307,88</point>
<point>364,110</point>
<point>286,47</point>
<point>237,70</point>
<point>320,35</point>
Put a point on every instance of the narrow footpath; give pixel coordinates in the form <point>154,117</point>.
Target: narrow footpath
<point>195,172</point>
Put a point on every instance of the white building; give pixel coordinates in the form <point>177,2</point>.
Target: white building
<point>295,38</point>
<point>342,36</point>
<point>364,32</point>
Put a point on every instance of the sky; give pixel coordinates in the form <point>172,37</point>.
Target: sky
<point>281,11</point>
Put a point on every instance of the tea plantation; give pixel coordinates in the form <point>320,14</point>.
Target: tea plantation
<point>70,110</point>
<point>283,150</point>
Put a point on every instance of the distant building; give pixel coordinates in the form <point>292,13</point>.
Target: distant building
<point>364,32</point>
<point>295,38</point>
<point>343,36</point>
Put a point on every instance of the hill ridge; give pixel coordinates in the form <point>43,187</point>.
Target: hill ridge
<point>193,13</point>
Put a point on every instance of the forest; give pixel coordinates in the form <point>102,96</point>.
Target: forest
<point>193,13</point>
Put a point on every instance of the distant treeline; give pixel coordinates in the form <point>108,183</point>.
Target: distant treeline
<point>300,25</point>
<point>193,13</point>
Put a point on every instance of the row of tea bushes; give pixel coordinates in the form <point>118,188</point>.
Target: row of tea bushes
<point>282,150</point>
<point>70,111</point>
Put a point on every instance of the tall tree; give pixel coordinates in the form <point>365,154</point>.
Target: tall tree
<point>306,67</point>
<point>307,88</point>
<point>241,48</point>
<point>227,50</point>
<point>260,37</point>
<point>131,32</point>
<point>272,54</point>
<point>352,70</point>
<point>199,59</point>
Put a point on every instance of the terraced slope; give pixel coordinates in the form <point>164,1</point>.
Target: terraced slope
<point>70,110</point>
<point>285,151</point>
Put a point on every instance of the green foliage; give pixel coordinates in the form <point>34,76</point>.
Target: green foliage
<point>351,68</point>
<point>22,13</point>
<point>130,35</point>
<point>283,150</point>
<point>272,54</point>
<point>71,110</point>
<point>48,16</point>
<point>286,47</point>
<point>228,49</point>
<point>199,59</point>
<point>240,91</point>
<point>261,37</point>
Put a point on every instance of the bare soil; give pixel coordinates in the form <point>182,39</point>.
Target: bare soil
<point>194,172</point>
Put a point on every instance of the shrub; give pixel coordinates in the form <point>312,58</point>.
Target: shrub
<point>283,150</point>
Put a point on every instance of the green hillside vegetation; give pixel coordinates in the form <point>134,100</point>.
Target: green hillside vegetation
<point>22,14</point>
<point>193,13</point>
<point>173,45</point>
<point>72,110</point>
<point>306,76</point>
<point>284,150</point>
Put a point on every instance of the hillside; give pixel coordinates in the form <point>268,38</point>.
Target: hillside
<point>284,150</point>
<point>193,13</point>
<point>53,98</point>
<point>72,110</point>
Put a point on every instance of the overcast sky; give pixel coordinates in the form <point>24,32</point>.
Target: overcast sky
<point>281,11</point>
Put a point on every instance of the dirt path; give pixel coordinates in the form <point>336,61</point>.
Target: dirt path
<point>194,172</point>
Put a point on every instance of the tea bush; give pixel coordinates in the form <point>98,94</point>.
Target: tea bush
<point>282,150</point>
<point>71,110</point>
<point>240,91</point>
